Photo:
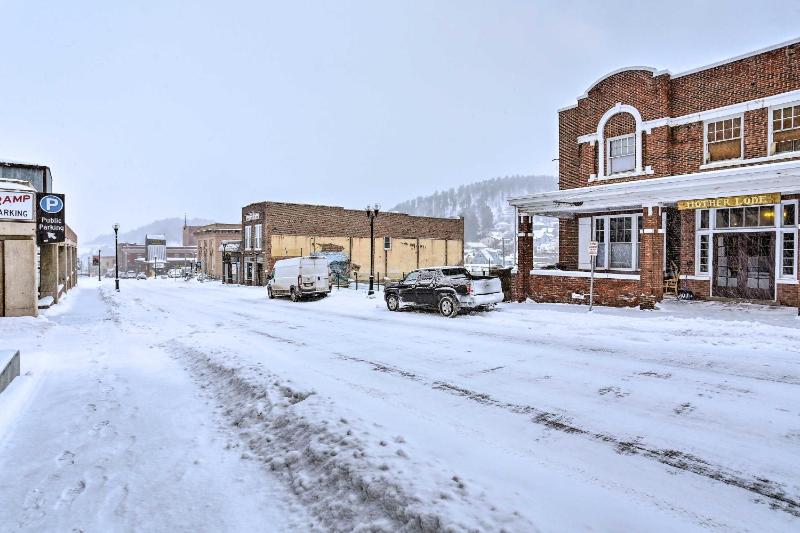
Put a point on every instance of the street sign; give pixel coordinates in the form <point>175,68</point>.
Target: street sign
<point>593,248</point>
<point>16,205</point>
<point>51,222</point>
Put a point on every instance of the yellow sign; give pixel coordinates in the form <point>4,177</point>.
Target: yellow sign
<point>731,201</point>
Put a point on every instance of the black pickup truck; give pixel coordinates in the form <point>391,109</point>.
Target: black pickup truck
<point>448,289</point>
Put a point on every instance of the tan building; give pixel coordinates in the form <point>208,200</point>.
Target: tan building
<point>209,246</point>
<point>31,276</point>
<point>273,230</point>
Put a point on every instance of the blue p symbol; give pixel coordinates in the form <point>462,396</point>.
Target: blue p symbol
<point>51,204</point>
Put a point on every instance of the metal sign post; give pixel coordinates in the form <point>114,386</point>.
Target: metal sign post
<point>593,245</point>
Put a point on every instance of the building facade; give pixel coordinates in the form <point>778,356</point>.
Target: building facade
<point>692,176</point>
<point>209,246</point>
<point>273,230</point>
<point>32,276</point>
<point>155,256</point>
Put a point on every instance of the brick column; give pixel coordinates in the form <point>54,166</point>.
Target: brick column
<point>652,258</point>
<point>522,282</point>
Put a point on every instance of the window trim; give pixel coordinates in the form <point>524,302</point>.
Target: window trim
<point>783,230</point>
<point>607,241</point>
<point>770,131</point>
<point>706,123</point>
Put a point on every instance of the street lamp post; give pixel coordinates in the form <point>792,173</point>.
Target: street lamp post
<point>99,265</point>
<point>372,214</point>
<point>116,256</point>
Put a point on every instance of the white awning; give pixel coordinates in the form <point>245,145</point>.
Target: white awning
<point>783,177</point>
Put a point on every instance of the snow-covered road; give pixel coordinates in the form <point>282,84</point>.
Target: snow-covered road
<point>208,406</point>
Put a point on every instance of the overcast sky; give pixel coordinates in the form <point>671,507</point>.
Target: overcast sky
<point>145,110</point>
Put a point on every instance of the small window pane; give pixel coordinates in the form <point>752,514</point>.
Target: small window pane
<point>789,215</point>
<point>703,260</point>
<point>723,218</point>
<point>751,216</point>
<point>704,219</point>
<point>767,215</point>
<point>736,217</point>
<point>788,255</point>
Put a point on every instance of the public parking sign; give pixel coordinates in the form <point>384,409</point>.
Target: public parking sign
<point>51,222</point>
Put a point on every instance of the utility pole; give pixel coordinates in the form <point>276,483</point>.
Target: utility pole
<point>372,214</point>
<point>99,265</point>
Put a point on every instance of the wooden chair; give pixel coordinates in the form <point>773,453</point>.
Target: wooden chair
<point>671,282</point>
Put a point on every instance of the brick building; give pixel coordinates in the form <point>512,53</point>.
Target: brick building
<point>155,256</point>
<point>209,246</point>
<point>273,230</point>
<point>694,175</point>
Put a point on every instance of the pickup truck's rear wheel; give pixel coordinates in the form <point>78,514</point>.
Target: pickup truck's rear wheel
<point>393,302</point>
<point>448,306</point>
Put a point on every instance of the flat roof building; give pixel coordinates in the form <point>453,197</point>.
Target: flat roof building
<point>275,230</point>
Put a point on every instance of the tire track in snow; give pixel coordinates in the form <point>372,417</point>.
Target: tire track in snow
<point>324,465</point>
<point>774,492</point>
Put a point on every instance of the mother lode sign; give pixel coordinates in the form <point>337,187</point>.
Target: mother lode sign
<point>17,205</point>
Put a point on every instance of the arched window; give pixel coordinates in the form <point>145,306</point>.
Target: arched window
<point>620,154</point>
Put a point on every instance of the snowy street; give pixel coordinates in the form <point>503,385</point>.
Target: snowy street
<point>186,406</point>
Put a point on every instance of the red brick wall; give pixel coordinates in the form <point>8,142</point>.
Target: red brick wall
<point>676,150</point>
<point>560,289</point>
<point>620,124</point>
<point>568,243</point>
<point>789,295</point>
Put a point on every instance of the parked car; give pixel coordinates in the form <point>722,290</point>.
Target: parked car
<point>299,277</point>
<point>141,275</point>
<point>130,274</point>
<point>447,289</point>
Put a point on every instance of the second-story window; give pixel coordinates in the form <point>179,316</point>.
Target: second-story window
<point>786,129</point>
<point>257,230</point>
<point>724,139</point>
<point>621,154</point>
<point>247,237</point>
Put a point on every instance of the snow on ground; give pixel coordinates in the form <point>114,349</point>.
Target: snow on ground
<point>201,406</point>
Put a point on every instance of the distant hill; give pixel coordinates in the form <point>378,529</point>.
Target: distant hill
<point>484,204</point>
<point>171,228</point>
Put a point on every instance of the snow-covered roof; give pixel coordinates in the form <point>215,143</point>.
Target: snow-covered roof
<point>16,185</point>
<point>781,177</point>
<point>156,237</point>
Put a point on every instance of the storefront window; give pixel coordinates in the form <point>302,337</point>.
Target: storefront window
<point>739,217</point>
<point>621,255</point>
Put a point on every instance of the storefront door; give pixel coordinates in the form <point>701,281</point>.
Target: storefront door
<point>744,265</point>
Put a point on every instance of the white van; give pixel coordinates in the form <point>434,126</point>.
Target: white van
<point>299,277</point>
